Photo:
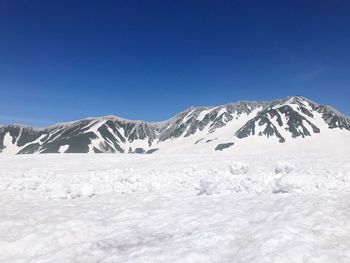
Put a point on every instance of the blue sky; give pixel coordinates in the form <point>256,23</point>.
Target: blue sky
<point>66,60</point>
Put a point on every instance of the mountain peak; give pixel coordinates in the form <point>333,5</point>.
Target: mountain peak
<point>211,127</point>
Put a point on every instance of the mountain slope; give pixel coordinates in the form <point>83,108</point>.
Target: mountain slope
<point>202,129</point>
<point>293,117</point>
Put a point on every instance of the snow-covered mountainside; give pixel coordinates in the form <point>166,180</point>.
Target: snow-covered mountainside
<point>293,121</point>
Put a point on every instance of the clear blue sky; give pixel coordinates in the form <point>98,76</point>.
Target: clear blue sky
<point>65,60</point>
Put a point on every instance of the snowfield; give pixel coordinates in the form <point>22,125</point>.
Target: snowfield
<point>175,208</point>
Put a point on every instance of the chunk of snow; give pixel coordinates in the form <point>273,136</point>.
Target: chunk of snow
<point>283,167</point>
<point>87,190</point>
<point>74,191</point>
<point>59,191</point>
<point>206,187</point>
<point>238,168</point>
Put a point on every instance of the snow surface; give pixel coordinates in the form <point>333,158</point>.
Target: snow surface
<point>175,208</point>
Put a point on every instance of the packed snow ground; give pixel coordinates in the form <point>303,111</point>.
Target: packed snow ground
<point>175,208</point>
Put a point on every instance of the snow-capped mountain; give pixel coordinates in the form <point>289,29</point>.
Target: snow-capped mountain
<point>293,117</point>
<point>242,125</point>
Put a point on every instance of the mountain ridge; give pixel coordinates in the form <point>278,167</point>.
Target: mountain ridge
<point>282,119</point>
<point>185,110</point>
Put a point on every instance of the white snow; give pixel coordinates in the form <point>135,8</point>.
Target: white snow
<point>175,208</point>
<point>87,190</point>
<point>10,147</point>
<point>63,148</point>
<point>202,114</point>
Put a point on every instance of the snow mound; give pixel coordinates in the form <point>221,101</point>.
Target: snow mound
<point>207,187</point>
<point>87,190</point>
<point>238,168</point>
<point>64,178</point>
<point>283,167</point>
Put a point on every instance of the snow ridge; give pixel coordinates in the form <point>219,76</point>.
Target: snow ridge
<point>197,129</point>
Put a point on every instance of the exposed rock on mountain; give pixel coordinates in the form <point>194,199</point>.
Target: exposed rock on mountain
<point>292,118</point>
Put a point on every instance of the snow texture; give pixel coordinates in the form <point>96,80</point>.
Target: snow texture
<point>175,208</point>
